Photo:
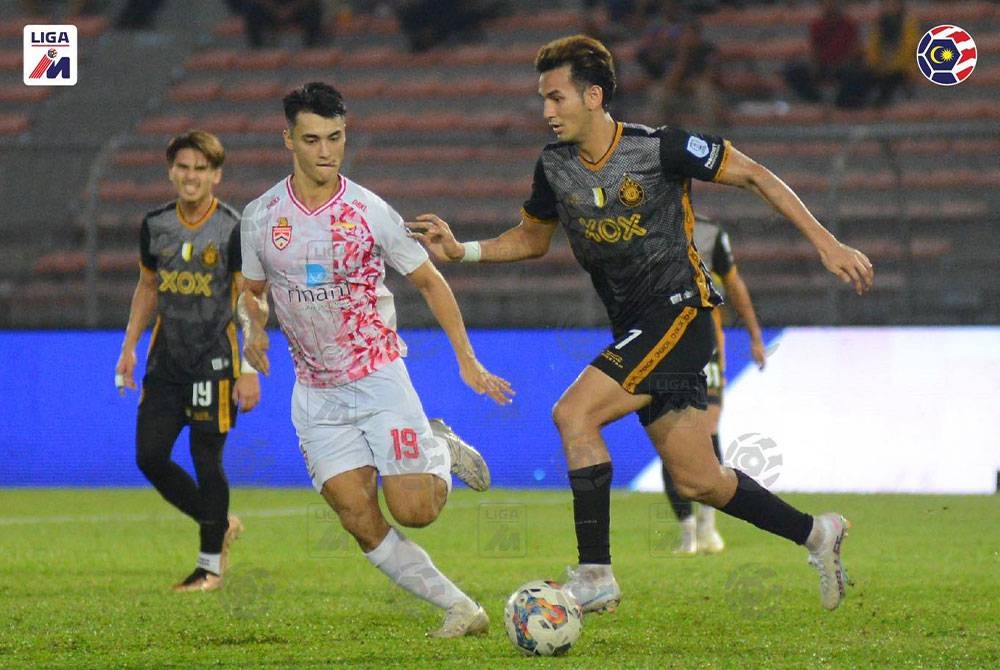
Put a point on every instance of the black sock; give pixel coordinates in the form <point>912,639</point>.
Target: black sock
<point>682,506</point>
<point>715,445</point>
<point>755,504</point>
<point>592,512</point>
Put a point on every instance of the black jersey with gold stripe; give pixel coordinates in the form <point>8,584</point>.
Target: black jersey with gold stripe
<point>629,218</point>
<point>194,337</point>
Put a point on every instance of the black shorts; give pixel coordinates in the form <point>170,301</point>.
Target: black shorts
<point>205,405</point>
<point>664,356</point>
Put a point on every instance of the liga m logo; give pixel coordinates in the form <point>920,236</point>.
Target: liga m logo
<point>50,55</point>
<point>946,55</point>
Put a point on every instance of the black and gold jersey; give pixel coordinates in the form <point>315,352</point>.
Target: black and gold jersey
<point>194,337</point>
<point>629,218</point>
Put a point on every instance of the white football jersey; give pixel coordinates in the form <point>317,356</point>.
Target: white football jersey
<point>326,269</point>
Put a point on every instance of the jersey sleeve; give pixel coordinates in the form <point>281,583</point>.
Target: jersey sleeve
<point>694,155</point>
<point>235,260</point>
<point>251,233</point>
<point>541,206</point>
<point>401,252</point>
<point>146,256</point>
<point>722,255</point>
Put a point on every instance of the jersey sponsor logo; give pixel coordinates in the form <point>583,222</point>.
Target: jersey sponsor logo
<point>631,193</point>
<point>614,230</point>
<point>713,157</point>
<point>335,292</point>
<point>186,283</point>
<point>49,55</point>
<point>210,255</point>
<point>946,55</point>
<point>346,225</point>
<point>281,234</point>
<point>697,147</point>
<point>315,274</point>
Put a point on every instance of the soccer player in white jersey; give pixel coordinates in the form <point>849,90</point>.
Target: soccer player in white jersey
<point>320,243</point>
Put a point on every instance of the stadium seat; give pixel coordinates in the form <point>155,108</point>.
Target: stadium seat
<point>166,125</point>
<point>194,91</point>
<point>13,124</point>
<point>11,60</point>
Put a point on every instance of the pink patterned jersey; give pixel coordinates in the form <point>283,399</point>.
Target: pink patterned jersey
<point>326,268</point>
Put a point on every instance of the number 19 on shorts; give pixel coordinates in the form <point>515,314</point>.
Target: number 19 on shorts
<point>405,443</point>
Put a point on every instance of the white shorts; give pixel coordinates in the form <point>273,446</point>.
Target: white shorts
<point>377,421</point>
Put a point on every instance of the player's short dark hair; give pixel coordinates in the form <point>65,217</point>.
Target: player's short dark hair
<point>315,97</point>
<point>590,63</point>
<point>207,143</point>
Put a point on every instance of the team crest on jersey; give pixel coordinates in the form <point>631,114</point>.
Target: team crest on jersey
<point>210,255</point>
<point>281,234</point>
<point>631,194</point>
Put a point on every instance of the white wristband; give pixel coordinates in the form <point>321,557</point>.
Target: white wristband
<point>246,368</point>
<point>473,252</point>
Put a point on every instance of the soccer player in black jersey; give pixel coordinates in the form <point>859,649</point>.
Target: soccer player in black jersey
<point>622,194</point>
<point>189,279</point>
<point>698,532</point>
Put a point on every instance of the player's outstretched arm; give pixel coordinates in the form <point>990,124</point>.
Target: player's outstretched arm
<point>144,301</point>
<point>525,240</point>
<point>252,310</point>
<point>849,264</point>
<point>738,295</point>
<point>442,304</point>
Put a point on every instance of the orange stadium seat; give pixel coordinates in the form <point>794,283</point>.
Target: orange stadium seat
<point>194,91</point>
<point>223,123</point>
<point>11,59</point>
<point>27,95</point>
<point>166,125</point>
<point>254,90</point>
<point>215,59</point>
<point>13,124</point>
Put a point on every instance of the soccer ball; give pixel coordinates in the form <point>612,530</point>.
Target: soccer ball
<point>542,619</point>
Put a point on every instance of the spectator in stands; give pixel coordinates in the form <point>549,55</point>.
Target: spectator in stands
<point>836,59</point>
<point>615,20</point>
<point>189,276</point>
<point>427,23</point>
<point>263,19</point>
<point>138,14</point>
<point>689,92</point>
<point>658,39</point>
<point>892,43</point>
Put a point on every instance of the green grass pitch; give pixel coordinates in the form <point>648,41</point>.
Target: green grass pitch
<point>85,576</point>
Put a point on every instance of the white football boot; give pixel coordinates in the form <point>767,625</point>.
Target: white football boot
<point>831,529</point>
<point>466,463</point>
<point>709,540</point>
<point>463,619</point>
<point>594,588</point>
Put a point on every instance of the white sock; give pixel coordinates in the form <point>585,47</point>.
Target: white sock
<point>409,566</point>
<point>210,562</point>
<point>706,517</point>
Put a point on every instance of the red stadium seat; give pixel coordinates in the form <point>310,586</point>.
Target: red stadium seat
<point>13,124</point>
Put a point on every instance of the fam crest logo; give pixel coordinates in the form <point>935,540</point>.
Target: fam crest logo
<point>50,55</point>
<point>946,55</point>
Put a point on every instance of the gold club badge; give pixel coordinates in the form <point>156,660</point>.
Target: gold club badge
<point>631,193</point>
<point>210,255</point>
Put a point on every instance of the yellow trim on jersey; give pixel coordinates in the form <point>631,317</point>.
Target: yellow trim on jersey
<point>726,146</point>
<point>534,219</point>
<point>204,217</point>
<point>225,418</point>
<point>603,160</point>
<point>662,348</point>
<point>234,346</point>
<point>700,280</point>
